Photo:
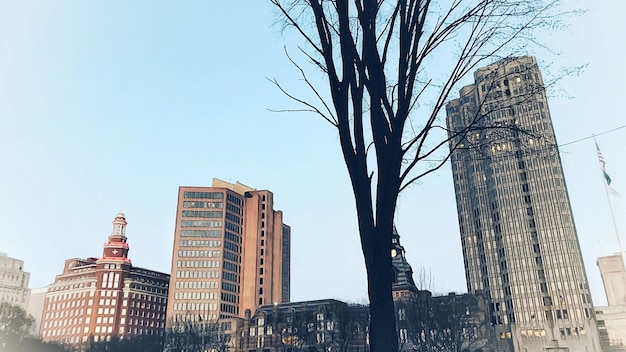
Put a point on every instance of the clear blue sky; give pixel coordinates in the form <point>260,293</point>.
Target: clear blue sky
<point>114,104</point>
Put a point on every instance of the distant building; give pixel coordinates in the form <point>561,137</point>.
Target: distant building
<point>614,278</point>
<point>35,306</point>
<point>103,297</point>
<point>231,252</point>
<point>427,323</point>
<point>519,240</point>
<point>424,323</point>
<point>13,281</point>
<point>612,318</point>
<point>321,325</point>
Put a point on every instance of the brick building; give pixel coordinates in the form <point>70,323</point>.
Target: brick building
<point>103,297</point>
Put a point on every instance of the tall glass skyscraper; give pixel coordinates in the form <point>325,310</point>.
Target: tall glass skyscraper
<point>518,236</point>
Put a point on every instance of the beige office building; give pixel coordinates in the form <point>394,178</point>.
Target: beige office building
<point>612,318</point>
<point>231,252</point>
<point>13,281</point>
<point>519,241</point>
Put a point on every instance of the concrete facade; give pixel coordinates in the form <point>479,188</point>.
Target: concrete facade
<point>231,252</point>
<point>13,281</point>
<point>519,240</point>
<point>612,318</point>
<point>613,278</point>
<point>35,306</point>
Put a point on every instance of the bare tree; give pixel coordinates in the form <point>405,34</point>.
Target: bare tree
<point>324,325</point>
<point>391,66</point>
<point>195,335</point>
<point>452,323</point>
<point>140,343</point>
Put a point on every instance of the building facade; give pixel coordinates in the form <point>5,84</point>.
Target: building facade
<point>423,322</point>
<point>612,317</point>
<point>231,252</point>
<point>97,298</point>
<point>13,281</point>
<point>36,301</point>
<point>320,325</point>
<point>613,278</point>
<point>519,241</point>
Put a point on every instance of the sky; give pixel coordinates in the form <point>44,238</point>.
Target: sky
<point>109,105</point>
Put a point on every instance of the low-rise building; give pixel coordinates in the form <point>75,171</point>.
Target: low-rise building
<point>424,323</point>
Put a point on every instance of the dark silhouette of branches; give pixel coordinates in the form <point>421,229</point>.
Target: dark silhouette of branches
<point>452,323</point>
<point>391,66</point>
<point>195,335</point>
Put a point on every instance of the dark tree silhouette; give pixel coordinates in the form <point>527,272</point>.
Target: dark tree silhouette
<point>189,335</point>
<point>452,323</point>
<point>391,66</point>
<point>15,325</point>
<point>144,343</point>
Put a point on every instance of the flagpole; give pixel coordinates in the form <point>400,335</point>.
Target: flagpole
<point>608,197</point>
<point>606,182</point>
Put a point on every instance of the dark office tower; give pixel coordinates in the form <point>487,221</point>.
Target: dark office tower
<point>518,236</point>
<point>231,252</point>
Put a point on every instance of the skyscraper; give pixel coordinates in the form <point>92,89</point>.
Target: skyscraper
<point>231,252</point>
<point>519,241</point>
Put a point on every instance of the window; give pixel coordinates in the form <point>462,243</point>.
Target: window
<point>547,301</point>
<point>401,314</point>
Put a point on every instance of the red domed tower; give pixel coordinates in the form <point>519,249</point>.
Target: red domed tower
<point>116,247</point>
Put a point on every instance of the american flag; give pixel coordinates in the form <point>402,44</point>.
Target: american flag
<point>602,165</point>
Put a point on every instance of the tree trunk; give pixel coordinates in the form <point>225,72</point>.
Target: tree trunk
<point>376,243</point>
<point>383,322</point>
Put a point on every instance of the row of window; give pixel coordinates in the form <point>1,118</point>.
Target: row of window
<point>198,284</point>
<point>197,307</point>
<point>233,199</point>
<point>201,233</point>
<point>233,227</point>
<point>189,204</point>
<point>198,295</point>
<point>231,256</point>
<point>217,214</point>
<point>232,217</point>
<point>199,243</point>
<point>203,195</point>
<point>232,237</point>
<point>233,208</point>
<point>201,223</point>
<point>198,264</point>
<point>198,253</point>
<point>196,274</point>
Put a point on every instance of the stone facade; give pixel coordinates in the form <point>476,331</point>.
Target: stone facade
<point>518,236</point>
<point>13,281</point>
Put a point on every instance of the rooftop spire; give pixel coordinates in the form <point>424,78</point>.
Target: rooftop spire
<point>403,273</point>
<point>116,247</point>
